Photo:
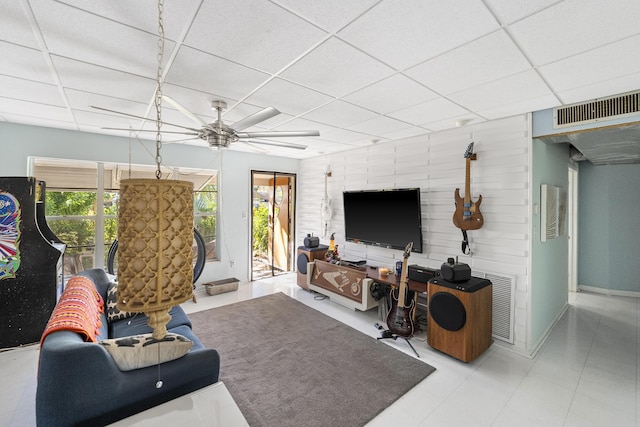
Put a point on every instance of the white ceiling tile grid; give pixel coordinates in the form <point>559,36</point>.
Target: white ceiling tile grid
<point>358,71</point>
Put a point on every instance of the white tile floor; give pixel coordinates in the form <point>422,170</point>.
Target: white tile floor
<point>585,375</point>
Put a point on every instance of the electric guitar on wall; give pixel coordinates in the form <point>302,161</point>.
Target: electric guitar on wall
<point>400,317</point>
<point>467,215</point>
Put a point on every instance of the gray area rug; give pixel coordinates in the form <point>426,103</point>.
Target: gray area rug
<point>286,364</point>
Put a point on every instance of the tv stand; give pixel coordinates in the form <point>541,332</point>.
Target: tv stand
<point>345,285</point>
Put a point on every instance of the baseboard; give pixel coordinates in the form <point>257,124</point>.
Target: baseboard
<point>612,292</point>
<point>545,335</point>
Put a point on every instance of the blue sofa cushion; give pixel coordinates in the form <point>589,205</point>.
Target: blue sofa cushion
<point>137,325</point>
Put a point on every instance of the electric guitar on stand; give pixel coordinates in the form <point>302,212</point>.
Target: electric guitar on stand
<point>467,215</point>
<point>400,317</point>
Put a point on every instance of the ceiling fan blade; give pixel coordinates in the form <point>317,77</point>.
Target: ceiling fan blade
<point>141,118</point>
<point>177,141</point>
<point>152,130</point>
<point>184,111</point>
<point>255,118</point>
<point>277,133</point>
<point>277,144</point>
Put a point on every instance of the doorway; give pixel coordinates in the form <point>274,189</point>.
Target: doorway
<point>272,223</point>
<point>572,227</point>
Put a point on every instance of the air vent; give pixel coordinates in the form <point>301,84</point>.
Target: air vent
<point>503,322</point>
<point>597,110</point>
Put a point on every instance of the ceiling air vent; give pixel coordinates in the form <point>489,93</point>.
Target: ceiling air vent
<point>597,110</point>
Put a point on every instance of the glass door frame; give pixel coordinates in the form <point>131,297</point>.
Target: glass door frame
<point>258,176</point>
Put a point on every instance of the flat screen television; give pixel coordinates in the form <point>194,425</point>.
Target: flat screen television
<point>385,218</point>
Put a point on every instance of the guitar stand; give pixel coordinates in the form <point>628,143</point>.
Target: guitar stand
<point>390,335</point>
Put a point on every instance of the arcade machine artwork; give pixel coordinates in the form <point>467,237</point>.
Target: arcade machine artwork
<point>10,214</point>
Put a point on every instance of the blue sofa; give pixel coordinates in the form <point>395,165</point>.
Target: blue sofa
<point>79,384</point>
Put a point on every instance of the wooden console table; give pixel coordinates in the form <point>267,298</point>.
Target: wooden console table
<point>394,280</point>
<point>350,286</point>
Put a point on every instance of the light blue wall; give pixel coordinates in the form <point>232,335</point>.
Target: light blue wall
<point>609,201</point>
<point>19,142</point>
<point>549,261</point>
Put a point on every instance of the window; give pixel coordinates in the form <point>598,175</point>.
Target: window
<point>88,226</point>
<point>72,216</point>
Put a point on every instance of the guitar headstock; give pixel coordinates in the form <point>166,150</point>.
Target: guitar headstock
<point>469,153</point>
<point>407,250</point>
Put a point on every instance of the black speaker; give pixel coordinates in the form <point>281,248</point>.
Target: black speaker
<point>306,255</point>
<point>459,317</point>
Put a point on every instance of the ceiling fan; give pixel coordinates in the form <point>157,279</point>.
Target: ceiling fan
<point>219,134</point>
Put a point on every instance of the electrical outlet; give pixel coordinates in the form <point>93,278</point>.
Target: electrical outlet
<point>232,263</point>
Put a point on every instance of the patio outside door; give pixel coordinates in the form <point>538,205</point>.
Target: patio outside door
<point>272,223</point>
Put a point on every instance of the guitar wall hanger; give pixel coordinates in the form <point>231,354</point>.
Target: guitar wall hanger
<point>467,215</point>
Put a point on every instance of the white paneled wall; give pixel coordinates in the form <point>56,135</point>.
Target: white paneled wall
<point>435,163</point>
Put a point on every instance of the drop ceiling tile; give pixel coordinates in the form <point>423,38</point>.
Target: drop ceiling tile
<point>481,61</point>
<point>335,68</point>
<point>402,33</point>
<point>347,136</point>
<point>453,122</point>
<point>15,27</point>
<point>28,90</point>
<point>340,114</point>
<point>379,125</point>
<point>288,97</point>
<point>254,33</point>
<point>520,107</point>
<point>509,11</point>
<point>303,124</point>
<point>25,63</point>
<point>438,109</point>
<point>97,40</point>
<point>574,26</point>
<point>100,119</point>
<point>321,146</point>
<point>406,133</point>
<point>598,65</point>
<point>105,81</point>
<point>600,89</point>
<point>330,15</point>
<point>391,94</point>
<point>79,100</point>
<point>54,123</point>
<point>143,14</point>
<point>33,109</point>
<point>509,90</point>
<point>200,71</point>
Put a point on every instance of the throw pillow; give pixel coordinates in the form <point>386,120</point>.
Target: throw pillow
<point>140,351</point>
<point>113,313</point>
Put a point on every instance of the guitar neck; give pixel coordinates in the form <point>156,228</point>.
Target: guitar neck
<point>403,284</point>
<point>467,183</point>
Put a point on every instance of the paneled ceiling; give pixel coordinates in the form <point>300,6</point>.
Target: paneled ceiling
<point>359,71</point>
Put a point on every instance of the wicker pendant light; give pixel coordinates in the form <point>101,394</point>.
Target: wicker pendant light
<point>155,235</point>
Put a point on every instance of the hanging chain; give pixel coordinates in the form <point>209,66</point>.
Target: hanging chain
<point>158,99</point>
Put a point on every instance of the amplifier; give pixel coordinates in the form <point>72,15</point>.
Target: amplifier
<point>420,274</point>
